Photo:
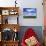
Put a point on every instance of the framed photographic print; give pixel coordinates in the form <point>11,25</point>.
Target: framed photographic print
<point>29,12</point>
<point>5,12</point>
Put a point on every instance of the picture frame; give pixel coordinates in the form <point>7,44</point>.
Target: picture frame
<point>29,12</point>
<point>5,12</point>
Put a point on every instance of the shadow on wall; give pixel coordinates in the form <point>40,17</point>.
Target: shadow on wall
<point>37,29</point>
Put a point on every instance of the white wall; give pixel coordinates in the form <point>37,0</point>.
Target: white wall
<point>30,4</point>
<point>7,3</point>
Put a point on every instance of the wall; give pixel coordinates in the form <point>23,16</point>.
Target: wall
<point>7,3</point>
<point>31,4</point>
<point>27,3</point>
